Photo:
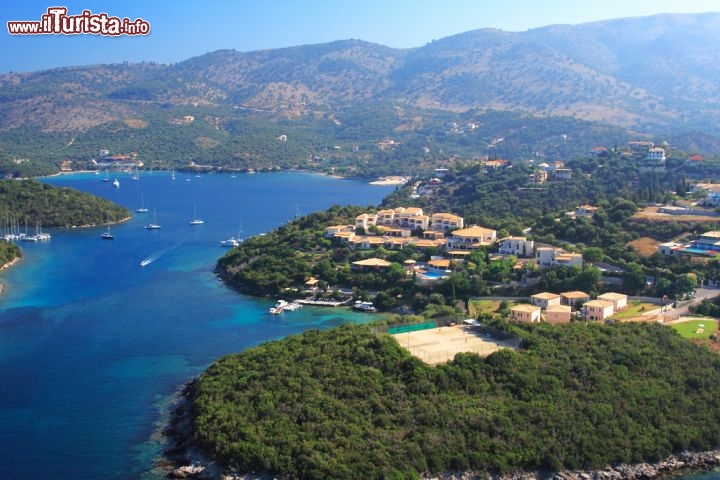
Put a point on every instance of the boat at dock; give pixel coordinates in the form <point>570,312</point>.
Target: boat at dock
<point>364,306</point>
<point>283,305</point>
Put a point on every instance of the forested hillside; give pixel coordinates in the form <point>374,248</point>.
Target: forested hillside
<point>32,203</point>
<point>328,106</point>
<point>349,403</point>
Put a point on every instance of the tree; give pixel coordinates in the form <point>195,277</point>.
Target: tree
<point>633,278</point>
<point>685,284</point>
<point>593,254</point>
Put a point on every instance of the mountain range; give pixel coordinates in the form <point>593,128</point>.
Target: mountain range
<point>658,74</point>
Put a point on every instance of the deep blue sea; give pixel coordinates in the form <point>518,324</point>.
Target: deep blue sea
<point>93,346</point>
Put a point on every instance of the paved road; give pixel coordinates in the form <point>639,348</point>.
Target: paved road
<point>683,308</point>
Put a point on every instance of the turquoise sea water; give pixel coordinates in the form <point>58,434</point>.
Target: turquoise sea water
<point>93,346</point>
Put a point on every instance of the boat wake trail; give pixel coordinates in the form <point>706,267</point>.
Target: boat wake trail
<point>155,256</point>
<point>150,259</point>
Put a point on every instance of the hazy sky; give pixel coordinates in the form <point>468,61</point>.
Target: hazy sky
<point>182,29</point>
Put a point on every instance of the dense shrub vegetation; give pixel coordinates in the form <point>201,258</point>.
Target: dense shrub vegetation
<point>29,202</point>
<point>350,403</point>
<point>8,252</point>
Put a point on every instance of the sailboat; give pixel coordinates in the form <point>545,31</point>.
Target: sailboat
<point>107,176</point>
<point>116,183</point>
<point>142,208</point>
<point>154,225</point>
<point>195,220</point>
<point>172,171</point>
<point>106,235</point>
<point>136,174</point>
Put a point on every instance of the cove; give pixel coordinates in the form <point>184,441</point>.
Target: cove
<point>93,346</point>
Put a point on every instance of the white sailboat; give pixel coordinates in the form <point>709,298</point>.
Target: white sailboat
<point>172,171</point>
<point>106,235</point>
<point>136,174</point>
<point>195,220</point>
<point>142,208</point>
<point>116,183</point>
<point>154,225</point>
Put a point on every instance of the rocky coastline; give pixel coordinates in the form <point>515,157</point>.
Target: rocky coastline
<point>182,460</point>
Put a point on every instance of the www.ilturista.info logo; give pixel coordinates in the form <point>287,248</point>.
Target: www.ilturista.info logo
<point>57,22</point>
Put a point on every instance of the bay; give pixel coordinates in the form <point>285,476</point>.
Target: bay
<point>93,346</point>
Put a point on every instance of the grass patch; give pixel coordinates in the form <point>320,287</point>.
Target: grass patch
<point>476,307</point>
<point>635,309</point>
<point>692,329</point>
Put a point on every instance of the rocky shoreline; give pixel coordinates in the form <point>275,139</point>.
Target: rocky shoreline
<point>182,460</point>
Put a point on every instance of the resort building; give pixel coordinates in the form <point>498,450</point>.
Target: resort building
<point>518,246</point>
<point>545,300</point>
<point>332,230</point>
<point>640,148</point>
<point>471,238</point>
<point>657,154</point>
<point>708,242</point>
<point>619,300</point>
<point>526,313</point>
<point>365,220</point>
<point>411,217</point>
<point>574,298</point>
<point>670,248</point>
<point>446,221</point>
<point>558,314</point>
<point>553,256</point>
<point>439,265</point>
<point>371,264</point>
<point>598,310</point>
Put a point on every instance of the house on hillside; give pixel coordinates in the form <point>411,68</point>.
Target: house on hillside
<point>574,298</point>
<point>656,154</point>
<point>545,300</point>
<point>619,300</point>
<point>370,264</point>
<point>598,310</point>
<point>553,256</point>
<point>558,314</point>
<point>526,313</point>
<point>443,222</point>
<point>471,238</point>
<point>518,246</point>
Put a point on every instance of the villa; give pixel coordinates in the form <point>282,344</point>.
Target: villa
<point>598,310</point>
<point>526,313</point>
<point>553,256</point>
<point>558,314</point>
<point>619,300</point>
<point>446,221</point>
<point>573,298</point>
<point>518,246</point>
<point>471,238</point>
<point>545,300</point>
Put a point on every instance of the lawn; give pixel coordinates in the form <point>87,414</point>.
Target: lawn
<point>475,307</point>
<point>692,328</point>
<point>635,309</point>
